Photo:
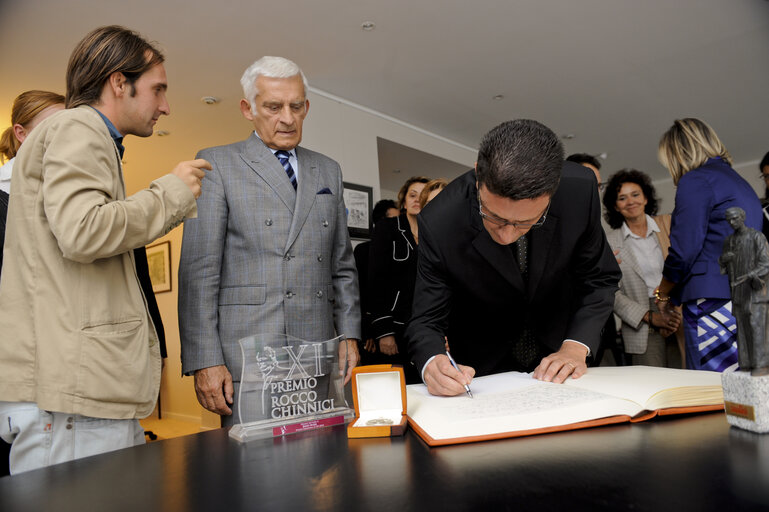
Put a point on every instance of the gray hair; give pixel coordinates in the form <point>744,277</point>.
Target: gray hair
<point>271,67</point>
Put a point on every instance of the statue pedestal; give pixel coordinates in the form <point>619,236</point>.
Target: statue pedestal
<point>746,401</point>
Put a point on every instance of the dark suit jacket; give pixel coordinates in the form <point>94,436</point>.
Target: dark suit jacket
<point>5,449</point>
<point>392,273</point>
<point>699,228</point>
<point>3,215</point>
<point>470,289</point>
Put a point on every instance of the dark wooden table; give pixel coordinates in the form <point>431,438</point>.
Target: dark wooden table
<point>686,463</point>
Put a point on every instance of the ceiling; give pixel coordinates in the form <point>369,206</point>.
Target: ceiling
<point>612,73</point>
<point>397,163</point>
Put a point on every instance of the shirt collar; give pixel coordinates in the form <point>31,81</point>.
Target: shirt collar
<point>116,135</point>
<point>651,227</point>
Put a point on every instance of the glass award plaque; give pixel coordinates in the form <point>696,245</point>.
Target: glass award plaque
<point>289,385</point>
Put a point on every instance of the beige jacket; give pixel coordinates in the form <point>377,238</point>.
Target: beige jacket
<point>631,301</point>
<point>75,332</point>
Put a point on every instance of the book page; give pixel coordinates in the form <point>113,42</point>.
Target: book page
<point>510,402</point>
<point>654,388</point>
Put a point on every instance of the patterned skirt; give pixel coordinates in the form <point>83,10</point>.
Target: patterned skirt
<point>711,335</point>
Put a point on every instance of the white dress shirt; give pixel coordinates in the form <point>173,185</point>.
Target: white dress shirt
<point>5,176</point>
<point>647,252</point>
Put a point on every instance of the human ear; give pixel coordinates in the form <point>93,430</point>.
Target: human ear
<point>20,132</point>
<point>245,109</point>
<point>117,82</point>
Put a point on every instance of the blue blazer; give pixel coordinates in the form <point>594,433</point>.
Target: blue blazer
<point>699,228</point>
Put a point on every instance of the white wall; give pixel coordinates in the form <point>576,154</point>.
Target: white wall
<point>347,133</point>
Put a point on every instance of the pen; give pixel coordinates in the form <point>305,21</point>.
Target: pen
<point>454,364</point>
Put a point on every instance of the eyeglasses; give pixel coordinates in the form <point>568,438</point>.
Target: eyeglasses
<point>764,176</point>
<point>517,225</point>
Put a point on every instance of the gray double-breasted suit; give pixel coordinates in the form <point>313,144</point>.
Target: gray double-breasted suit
<point>263,258</point>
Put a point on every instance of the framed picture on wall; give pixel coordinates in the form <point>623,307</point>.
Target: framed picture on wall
<point>358,200</point>
<point>159,263</point>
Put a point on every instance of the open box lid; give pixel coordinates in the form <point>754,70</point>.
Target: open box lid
<point>379,387</point>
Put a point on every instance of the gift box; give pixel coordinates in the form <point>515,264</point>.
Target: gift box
<point>379,395</point>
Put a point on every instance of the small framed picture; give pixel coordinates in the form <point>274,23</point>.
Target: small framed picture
<point>358,201</point>
<point>159,263</point>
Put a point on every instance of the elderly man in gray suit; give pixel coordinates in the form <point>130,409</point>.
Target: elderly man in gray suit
<point>269,251</point>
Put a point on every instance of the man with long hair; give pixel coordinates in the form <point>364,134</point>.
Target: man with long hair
<point>80,358</point>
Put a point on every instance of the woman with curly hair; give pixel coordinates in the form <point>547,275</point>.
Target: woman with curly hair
<point>641,243</point>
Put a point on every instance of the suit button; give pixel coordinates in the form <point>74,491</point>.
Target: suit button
<point>268,222</point>
<point>319,294</point>
<point>325,223</point>
<point>289,295</point>
<point>287,257</point>
<point>320,258</point>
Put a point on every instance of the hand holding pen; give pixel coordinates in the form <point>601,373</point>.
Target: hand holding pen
<point>444,377</point>
<point>454,364</point>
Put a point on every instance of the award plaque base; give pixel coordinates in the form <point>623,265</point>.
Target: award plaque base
<point>264,429</point>
<point>289,385</point>
<point>746,401</point>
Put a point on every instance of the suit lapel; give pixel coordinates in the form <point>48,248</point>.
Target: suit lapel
<point>307,189</point>
<point>261,160</point>
<point>628,256</point>
<point>540,251</point>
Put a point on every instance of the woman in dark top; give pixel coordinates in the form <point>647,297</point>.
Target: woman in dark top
<point>392,274</point>
<point>384,208</point>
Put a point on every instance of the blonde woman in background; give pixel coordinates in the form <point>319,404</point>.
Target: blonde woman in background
<point>707,186</point>
<point>29,109</point>
<point>432,189</point>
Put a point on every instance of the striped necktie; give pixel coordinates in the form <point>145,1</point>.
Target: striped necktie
<point>283,158</point>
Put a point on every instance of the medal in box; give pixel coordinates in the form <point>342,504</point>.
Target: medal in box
<point>379,394</point>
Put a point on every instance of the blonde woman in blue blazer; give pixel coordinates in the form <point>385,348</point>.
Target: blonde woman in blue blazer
<point>707,186</point>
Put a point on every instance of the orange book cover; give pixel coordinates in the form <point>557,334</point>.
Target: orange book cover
<point>514,404</point>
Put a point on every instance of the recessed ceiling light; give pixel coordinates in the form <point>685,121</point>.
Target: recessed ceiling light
<point>568,136</point>
<point>210,100</point>
<point>603,156</point>
<point>162,133</point>
<point>368,26</point>
<point>498,97</point>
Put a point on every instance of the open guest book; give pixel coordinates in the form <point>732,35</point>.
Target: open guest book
<point>514,404</point>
